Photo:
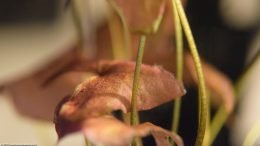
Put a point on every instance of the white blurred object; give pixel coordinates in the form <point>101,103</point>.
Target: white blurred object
<point>254,48</point>
<point>92,13</point>
<point>249,109</point>
<point>25,48</point>
<point>245,14</point>
<point>240,13</point>
<point>75,139</point>
<point>17,129</point>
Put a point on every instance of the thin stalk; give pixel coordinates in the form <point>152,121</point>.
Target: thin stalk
<point>206,141</point>
<point>217,123</point>
<point>134,113</point>
<point>203,104</point>
<point>179,66</point>
<point>252,135</point>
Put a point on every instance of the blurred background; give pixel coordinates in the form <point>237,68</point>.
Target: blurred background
<point>34,33</point>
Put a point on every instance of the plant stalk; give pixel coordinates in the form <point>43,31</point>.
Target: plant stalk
<point>134,113</point>
<point>206,141</point>
<point>179,66</point>
<point>120,38</point>
<point>203,104</point>
<point>217,123</point>
<point>87,143</point>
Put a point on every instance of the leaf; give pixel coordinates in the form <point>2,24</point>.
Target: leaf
<point>110,131</point>
<point>112,89</point>
<point>218,84</point>
<point>93,100</point>
<point>107,130</point>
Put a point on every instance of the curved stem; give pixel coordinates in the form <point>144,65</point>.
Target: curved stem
<point>179,66</point>
<point>203,104</point>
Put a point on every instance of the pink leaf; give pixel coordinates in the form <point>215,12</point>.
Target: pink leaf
<point>112,90</point>
<point>88,109</point>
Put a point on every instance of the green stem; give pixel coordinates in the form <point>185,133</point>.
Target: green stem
<point>206,141</point>
<point>203,104</point>
<point>134,113</point>
<point>179,66</point>
<point>87,143</point>
<point>126,34</point>
<point>217,123</point>
<point>116,34</point>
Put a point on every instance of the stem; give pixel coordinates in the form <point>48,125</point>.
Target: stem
<point>87,143</point>
<point>120,50</point>
<point>134,113</point>
<point>118,45</point>
<point>203,104</point>
<point>206,141</point>
<point>125,49</point>
<point>217,123</point>
<point>179,66</point>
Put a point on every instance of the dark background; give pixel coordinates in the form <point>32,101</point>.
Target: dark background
<point>16,11</point>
